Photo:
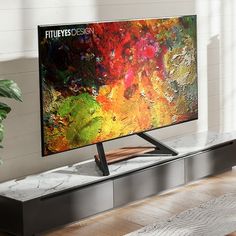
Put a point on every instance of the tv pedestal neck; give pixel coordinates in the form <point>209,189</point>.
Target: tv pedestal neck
<point>158,149</point>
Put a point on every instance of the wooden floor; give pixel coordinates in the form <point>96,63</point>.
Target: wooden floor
<point>134,216</point>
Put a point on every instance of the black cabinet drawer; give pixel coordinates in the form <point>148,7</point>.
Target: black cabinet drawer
<point>148,182</point>
<point>66,207</point>
<point>210,162</point>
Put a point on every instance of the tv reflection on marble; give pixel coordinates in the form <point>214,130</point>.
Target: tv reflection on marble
<point>105,80</point>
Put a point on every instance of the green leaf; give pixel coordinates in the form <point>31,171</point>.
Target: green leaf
<point>1,132</point>
<point>10,89</point>
<point>4,110</point>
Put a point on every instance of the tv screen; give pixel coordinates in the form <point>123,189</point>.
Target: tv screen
<point>105,80</point>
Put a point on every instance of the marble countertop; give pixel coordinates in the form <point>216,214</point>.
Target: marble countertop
<point>87,172</point>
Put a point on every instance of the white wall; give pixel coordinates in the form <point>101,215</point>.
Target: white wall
<point>18,61</point>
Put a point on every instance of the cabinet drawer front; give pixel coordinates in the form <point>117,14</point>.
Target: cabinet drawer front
<point>67,207</point>
<point>210,162</point>
<point>148,182</point>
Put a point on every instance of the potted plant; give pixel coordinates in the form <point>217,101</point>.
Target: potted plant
<point>8,89</point>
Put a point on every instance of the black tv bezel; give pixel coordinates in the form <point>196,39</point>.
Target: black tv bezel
<point>89,22</point>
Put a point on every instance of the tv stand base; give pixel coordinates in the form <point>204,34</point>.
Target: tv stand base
<point>103,159</point>
<point>126,153</point>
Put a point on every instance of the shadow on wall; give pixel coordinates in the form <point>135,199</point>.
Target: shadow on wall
<point>213,83</point>
<point>221,62</point>
<point>24,71</point>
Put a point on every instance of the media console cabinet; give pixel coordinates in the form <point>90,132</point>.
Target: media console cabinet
<point>41,202</point>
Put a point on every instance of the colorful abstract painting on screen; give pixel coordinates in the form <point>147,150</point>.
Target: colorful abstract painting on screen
<point>100,81</point>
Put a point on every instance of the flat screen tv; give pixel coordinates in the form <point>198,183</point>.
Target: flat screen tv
<point>105,80</point>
